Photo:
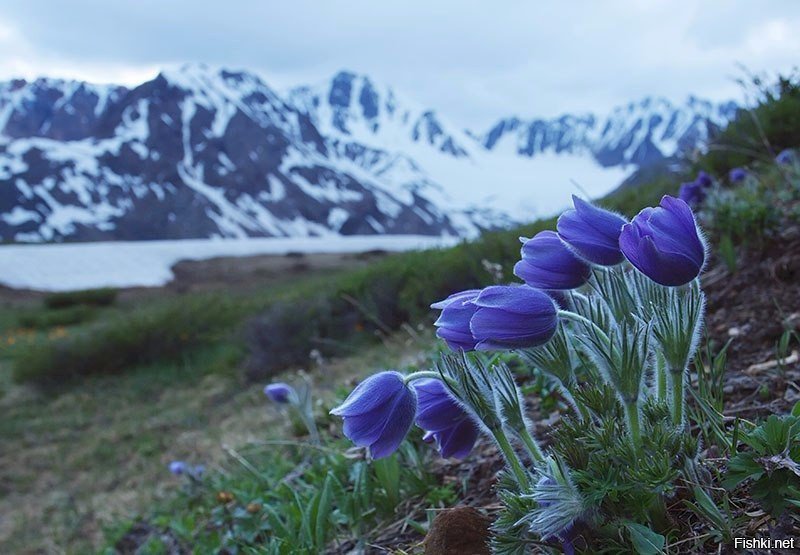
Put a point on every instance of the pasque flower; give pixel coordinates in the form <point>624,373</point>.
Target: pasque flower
<point>737,175</point>
<point>692,193</point>
<point>444,420</point>
<point>592,232</point>
<point>664,243</point>
<point>378,413</point>
<point>280,392</point>
<point>513,317</point>
<point>703,180</point>
<point>453,323</point>
<point>786,157</point>
<point>178,467</point>
<point>547,263</point>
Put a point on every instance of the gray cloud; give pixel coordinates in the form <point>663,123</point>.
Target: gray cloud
<point>475,61</point>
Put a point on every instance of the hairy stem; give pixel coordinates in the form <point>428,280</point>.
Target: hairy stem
<point>533,447</point>
<point>677,396</point>
<point>567,315</point>
<point>511,457</point>
<point>632,416</point>
<point>661,379</point>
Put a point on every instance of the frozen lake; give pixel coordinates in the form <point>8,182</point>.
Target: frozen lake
<point>66,267</point>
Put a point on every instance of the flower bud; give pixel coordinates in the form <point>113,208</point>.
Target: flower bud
<point>664,243</point>
<point>453,323</point>
<point>378,413</point>
<point>444,420</point>
<point>592,232</point>
<point>510,317</point>
<point>547,263</point>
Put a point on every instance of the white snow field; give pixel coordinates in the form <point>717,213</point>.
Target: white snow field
<point>75,266</point>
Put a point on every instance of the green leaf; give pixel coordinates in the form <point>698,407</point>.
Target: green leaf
<point>796,409</point>
<point>645,541</point>
<point>323,512</point>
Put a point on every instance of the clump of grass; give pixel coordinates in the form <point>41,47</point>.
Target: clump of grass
<point>146,335</point>
<point>41,319</point>
<point>88,297</point>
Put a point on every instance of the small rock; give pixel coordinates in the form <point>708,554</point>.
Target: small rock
<point>459,531</point>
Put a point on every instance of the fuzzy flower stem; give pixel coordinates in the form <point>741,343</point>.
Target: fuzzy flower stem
<point>579,408</point>
<point>677,396</point>
<point>567,315</point>
<point>533,447</point>
<point>632,415</point>
<point>511,457</point>
<point>661,378</point>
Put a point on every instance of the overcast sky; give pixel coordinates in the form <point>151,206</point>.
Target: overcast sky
<point>474,61</point>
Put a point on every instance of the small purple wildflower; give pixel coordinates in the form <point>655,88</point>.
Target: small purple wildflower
<point>453,323</point>
<point>547,263</point>
<point>378,413</point>
<point>692,193</point>
<point>664,243</point>
<point>737,175</point>
<point>592,232</point>
<point>178,468</point>
<point>280,392</point>
<point>510,317</point>
<point>785,158</point>
<point>444,419</point>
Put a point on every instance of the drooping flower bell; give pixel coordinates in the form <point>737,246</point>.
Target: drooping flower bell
<point>737,175</point>
<point>692,193</point>
<point>444,420</point>
<point>513,317</point>
<point>664,243</point>
<point>703,180</point>
<point>378,413</point>
<point>785,158</point>
<point>280,392</point>
<point>178,468</point>
<point>592,232</point>
<point>453,323</point>
<point>547,263</point>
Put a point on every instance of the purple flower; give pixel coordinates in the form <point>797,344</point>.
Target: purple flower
<point>453,323</point>
<point>280,392</point>
<point>664,243</point>
<point>511,317</point>
<point>547,263</point>
<point>444,420</point>
<point>378,413</point>
<point>566,534</point>
<point>592,232</point>
<point>737,175</point>
<point>703,180</point>
<point>178,468</point>
<point>785,158</point>
<point>692,193</point>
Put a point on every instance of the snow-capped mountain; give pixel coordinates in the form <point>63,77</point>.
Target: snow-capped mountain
<point>202,152</point>
<point>639,133</point>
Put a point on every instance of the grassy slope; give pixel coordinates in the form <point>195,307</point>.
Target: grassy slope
<point>78,455</point>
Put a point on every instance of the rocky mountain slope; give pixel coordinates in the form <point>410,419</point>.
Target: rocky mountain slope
<point>202,152</point>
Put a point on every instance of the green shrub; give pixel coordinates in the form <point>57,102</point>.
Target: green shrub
<point>41,319</point>
<point>761,132</point>
<point>90,297</point>
<point>159,333</point>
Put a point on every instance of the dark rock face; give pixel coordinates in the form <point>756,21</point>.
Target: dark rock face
<point>192,153</point>
<point>199,153</point>
<point>638,134</point>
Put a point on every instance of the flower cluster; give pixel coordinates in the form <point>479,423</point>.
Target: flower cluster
<point>694,192</point>
<point>629,305</point>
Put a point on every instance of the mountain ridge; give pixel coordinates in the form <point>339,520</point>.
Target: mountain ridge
<point>211,152</point>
